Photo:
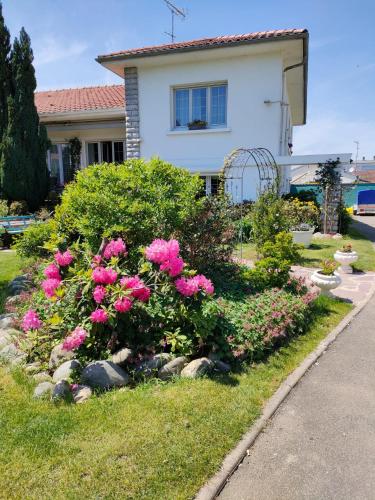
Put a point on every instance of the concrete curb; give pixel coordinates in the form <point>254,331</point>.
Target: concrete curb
<point>213,486</point>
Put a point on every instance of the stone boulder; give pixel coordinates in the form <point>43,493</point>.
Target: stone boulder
<point>5,338</point>
<point>7,320</point>
<point>150,366</point>
<point>172,368</point>
<point>61,391</point>
<point>11,354</point>
<point>197,368</point>
<point>66,370</point>
<point>32,368</point>
<point>222,367</point>
<point>122,357</point>
<point>104,375</point>
<point>81,393</point>
<point>58,356</point>
<point>43,389</point>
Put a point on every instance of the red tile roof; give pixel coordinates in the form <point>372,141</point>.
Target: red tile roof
<point>204,43</point>
<point>81,99</point>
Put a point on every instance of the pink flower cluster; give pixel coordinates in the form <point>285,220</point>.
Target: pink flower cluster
<point>50,285</point>
<point>138,289</point>
<point>123,304</point>
<point>191,286</point>
<point>75,339</point>
<point>166,253</point>
<point>31,321</point>
<point>99,294</point>
<point>64,258</point>
<point>99,316</point>
<point>52,272</point>
<point>104,275</point>
<point>115,248</point>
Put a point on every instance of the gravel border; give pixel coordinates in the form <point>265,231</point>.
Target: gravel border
<point>213,486</point>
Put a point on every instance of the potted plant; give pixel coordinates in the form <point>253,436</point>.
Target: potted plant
<point>304,218</point>
<point>346,256</point>
<point>197,125</point>
<point>326,278</point>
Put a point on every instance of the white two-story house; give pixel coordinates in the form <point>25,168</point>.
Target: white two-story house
<point>245,90</point>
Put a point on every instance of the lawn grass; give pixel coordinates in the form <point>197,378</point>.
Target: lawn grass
<point>10,266</point>
<point>157,441</point>
<point>325,248</point>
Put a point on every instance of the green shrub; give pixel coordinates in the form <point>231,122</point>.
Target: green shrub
<point>3,208</point>
<point>208,235</point>
<point>18,208</point>
<point>258,325</point>
<point>137,200</point>
<point>283,248</point>
<point>304,195</point>
<point>268,218</point>
<point>31,242</point>
<point>269,272</point>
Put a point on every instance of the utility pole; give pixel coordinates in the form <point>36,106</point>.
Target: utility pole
<point>356,156</point>
<point>175,11</point>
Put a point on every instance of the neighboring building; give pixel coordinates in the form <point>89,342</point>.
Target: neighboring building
<point>251,90</point>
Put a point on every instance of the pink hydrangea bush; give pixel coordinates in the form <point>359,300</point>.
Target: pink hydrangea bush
<point>31,321</point>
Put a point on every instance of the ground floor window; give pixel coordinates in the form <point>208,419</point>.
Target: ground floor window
<point>211,184</point>
<point>58,159</point>
<point>105,151</point>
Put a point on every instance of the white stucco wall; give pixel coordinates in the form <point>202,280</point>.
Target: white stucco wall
<point>250,123</point>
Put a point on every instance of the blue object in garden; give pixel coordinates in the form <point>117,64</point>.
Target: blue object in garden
<point>366,202</point>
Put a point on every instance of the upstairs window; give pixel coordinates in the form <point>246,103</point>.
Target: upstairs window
<point>208,104</point>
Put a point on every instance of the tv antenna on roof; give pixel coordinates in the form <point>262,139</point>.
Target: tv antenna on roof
<point>175,11</point>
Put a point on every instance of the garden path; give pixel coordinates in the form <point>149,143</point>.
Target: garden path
<point>321,441</point>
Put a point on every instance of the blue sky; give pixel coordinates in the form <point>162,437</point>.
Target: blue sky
<point>67,35</point>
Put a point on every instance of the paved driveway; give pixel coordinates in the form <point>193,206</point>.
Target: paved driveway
<point>366,225</point>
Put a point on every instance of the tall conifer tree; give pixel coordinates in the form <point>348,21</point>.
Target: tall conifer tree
<point>5,75</point>
<point>25,144</point>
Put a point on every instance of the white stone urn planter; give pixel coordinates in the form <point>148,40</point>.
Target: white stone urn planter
<point>303,237</point>
<point>346,259</point>
<point>326,282</point>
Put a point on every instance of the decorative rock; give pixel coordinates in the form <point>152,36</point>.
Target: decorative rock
<point>5,338</point>
<point>317,235</point>
<point>13,301</point>
<point>43,389</point>
<point>61,390</point>
<point>197,367</point>
<point>104,375</point>
<point>337,236</point>
<point>221,366</point>
<point>42,377</point>
<point>6,320</point>
<point>12,354</point>
<point>172,368</point>
<point>122,356</point>
<point>148,367</point>
<point>32,368</point>
<point>66,370</point>
<point>81,393</point>
<point>58,356</point>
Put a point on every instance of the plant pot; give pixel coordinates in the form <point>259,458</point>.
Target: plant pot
<point>325,282</point>
<point>346,259</point>
<point>303,237</point>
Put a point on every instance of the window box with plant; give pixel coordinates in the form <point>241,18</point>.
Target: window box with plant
<point>197,125</point>
<point>326,278</point>
<point>346,257</point>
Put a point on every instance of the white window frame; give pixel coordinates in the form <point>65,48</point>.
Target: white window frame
<point>61,166</point>
<point>100,152</point>
<point>190,87</point>
<point>208,178</point>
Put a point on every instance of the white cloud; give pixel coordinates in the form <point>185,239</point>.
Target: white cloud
<point>334,134</point>
<point>49,50</point>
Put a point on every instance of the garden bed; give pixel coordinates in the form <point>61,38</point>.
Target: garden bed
<point>323,248</point>
<point>156,441</point>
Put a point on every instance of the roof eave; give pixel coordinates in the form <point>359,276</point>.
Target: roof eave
<point>152,53</point>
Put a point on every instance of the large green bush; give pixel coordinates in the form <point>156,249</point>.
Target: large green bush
<point>268,218</point>
<point>138,200</point>
<point>32,242</point>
